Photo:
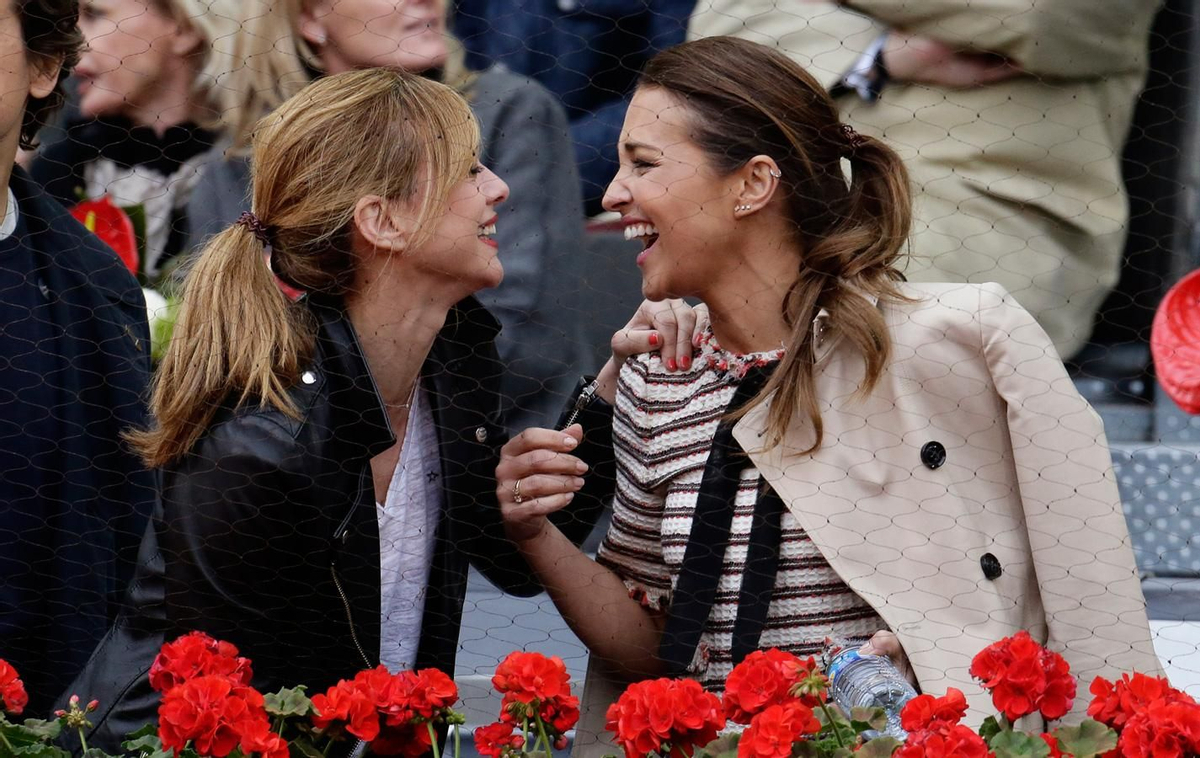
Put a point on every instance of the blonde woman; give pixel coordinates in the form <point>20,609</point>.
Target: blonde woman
<point>145,112</point>
<point>325,479</point>
<point>525,138</point>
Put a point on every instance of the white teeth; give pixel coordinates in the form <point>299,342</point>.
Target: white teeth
<point>487,231</point>
<point>633,231</point>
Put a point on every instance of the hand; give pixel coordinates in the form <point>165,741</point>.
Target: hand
<point>924,60</point>
<point>537,466</point>
<point>669,326</point>
<point>887,643</point>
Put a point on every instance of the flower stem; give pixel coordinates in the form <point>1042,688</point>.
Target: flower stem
<point>541,727</point>
<point>7,744</point>
<point>83,741</point>
<point>432,738</point>
<point>837,730</point>
<point>457,740</point>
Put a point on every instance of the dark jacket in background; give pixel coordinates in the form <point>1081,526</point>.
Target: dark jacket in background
<point>540,233</point>
<point>587,52</point>
<point>269,536</point>
<point>74,501</point>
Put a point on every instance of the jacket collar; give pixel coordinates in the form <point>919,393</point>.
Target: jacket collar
<point>825,333</point>
<point>341,372</point>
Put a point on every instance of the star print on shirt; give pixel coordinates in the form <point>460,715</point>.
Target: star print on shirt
<point>431,477</point>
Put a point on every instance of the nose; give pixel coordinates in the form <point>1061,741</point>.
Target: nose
<point>617,195</point>
<point>494,188</point>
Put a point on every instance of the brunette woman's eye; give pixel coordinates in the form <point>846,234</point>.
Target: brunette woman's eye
<point>643,165</point>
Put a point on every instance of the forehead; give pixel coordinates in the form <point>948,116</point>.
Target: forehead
<point>657,118</point>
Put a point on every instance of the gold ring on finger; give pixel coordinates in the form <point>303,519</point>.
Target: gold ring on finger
<point>517,498</point>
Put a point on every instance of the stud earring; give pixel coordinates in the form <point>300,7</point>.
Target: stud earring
<point>741,207</point>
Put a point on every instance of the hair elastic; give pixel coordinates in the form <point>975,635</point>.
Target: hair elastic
<point>257,227</point>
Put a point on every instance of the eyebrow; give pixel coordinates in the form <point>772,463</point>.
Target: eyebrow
<point>630,146</point>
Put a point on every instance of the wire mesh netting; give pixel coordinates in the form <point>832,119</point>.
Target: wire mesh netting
<point>412,333</point>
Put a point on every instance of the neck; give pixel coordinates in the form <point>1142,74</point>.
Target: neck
<point>396,323</point>
<point>746,307</point>
<point>174,102</point>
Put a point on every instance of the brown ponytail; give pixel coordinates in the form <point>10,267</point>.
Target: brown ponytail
<point>746,100</point>
<point>237,337</point>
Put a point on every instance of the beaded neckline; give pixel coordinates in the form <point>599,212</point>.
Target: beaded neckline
<point>729,365</point>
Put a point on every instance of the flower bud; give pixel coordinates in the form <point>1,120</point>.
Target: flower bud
<point>93,705</point>
<point>74,701</point>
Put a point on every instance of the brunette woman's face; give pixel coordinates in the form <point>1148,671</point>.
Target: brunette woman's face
<point>671,199</point>
<point>352,34</point>
<point>132,46</point>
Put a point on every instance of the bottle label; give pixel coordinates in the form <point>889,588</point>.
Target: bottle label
<point>841,661</point>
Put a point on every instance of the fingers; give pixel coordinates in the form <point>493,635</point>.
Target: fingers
<point>634,341</point>
<point>543,439</point>
<point>677,352</point>
<point>887,643</point>
<point>537,508</point>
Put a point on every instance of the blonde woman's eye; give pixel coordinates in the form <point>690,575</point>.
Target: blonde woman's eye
<point>476,170</point>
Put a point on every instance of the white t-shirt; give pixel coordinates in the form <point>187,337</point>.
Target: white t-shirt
<point>9,225</point>
<point>407,527</point>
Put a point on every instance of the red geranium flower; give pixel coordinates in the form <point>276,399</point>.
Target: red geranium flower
<point>946,741</point>
<point>210,712</point>
<point>1115,704</point>
<point>196,654</point>
<point>407,740</point>
<point>1052,742</point>
<point>426,693</point>
<point>926,711</point>
<point>665,715</point>
<point>492,740</point>
<point>13,697</point>
<point>559,714</point>
<point>1162,730</point>
<point>532,676</point>
<point>350,705</point>
<point>1025,677</point>
<point>774,731</point>
<point>763,679</point>
<point>257,737</point>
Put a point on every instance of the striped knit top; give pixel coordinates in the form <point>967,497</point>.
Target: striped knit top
<point>663,428</point>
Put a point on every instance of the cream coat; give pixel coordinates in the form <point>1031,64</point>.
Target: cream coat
<point>1027,479</point>
<point>1018,182</point>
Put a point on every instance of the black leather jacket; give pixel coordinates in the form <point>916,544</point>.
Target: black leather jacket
<point>268,528</point>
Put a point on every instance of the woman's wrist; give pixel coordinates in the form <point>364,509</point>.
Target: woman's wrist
<point>606,380</point>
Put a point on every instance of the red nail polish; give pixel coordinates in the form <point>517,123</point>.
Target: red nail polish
<point>671,364</point>
<point>686,362</point>
<point>653,339</point>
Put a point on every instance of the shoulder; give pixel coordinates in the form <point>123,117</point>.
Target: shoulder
<point>502,95</point>
<point>942,310</point>
<point>243,444</point>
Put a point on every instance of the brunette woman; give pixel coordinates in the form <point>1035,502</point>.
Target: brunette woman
<point>848,454</point>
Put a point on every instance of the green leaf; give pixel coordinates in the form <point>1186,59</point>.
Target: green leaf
<point>32,732</point>
<point>40,750</point>
<point>145,731</point>
<point>863,718</point>
<point>1089,738</point>
<point>1018,745</point>
<point>724,746</point>
<point>147,745</point>
<point>989,729</point>
<point>302,748</point>
<point>880,747</point>
<point>95,752</point>
<point>288,702</point>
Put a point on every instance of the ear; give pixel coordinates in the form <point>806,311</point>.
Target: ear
<point>43,74</point>
<point>186,40</point>
<point>310,23</point>
<point>382,225</point>
<point>759,179</point>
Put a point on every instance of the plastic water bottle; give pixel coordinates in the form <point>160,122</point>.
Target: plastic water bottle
<point>856,679</point>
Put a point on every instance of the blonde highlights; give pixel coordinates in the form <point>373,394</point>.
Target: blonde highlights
<point>369,132</point>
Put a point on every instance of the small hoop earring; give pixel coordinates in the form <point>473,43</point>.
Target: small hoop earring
<point>776,173</point>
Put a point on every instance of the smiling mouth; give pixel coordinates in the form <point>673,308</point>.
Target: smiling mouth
<point>647,233</point>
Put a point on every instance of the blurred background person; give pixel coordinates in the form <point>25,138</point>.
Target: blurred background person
<point>1012,122</point>
<point>142,129</point>
<point>587,52</point>
<point>525,140</point>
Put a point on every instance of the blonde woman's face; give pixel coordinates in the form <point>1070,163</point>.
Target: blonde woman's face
<point>352,34</point>
<point>462,247</point>
<point>134,51</point>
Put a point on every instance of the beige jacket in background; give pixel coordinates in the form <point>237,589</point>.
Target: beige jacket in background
<point>1018,182</point>
<point>1027,482</point>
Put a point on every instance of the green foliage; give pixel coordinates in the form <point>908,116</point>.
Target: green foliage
<point>1010,744</point>
<point>1089,738</point>
<point>288,702</point>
